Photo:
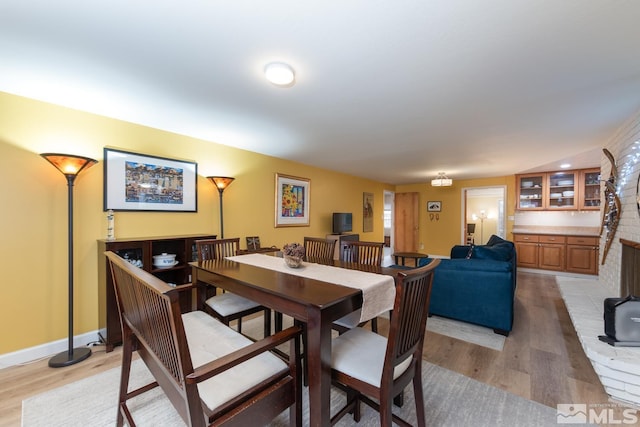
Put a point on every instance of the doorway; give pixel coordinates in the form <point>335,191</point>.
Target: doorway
<point>483,214</point>
<point>388,227</point>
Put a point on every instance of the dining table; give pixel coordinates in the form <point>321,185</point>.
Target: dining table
<point>297,293</point>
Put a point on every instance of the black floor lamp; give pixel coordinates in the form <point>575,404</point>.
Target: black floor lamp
<point>221,182</point>
<point>70,166</point>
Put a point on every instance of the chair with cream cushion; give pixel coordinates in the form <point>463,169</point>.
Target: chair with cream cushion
<point>370,366</point>
<point>212,374</point>
<point>228,306</point>
<point>367,253</point>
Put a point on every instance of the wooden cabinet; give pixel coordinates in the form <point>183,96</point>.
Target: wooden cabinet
<point>140,252</point>
<point>554,252</point>
<point>551,252</point>
<point>582,254</point>
<point>527,250</point>
<point>563,190</point>
<point>540,251</point>
<point>589,189</point>
<point>531,190</point>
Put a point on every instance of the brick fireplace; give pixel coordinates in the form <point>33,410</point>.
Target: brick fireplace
<point>619,275</point>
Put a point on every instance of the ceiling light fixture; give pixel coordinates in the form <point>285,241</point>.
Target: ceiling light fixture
<point>280,74</point>
<point>565,166</point>
<point>441,180</point>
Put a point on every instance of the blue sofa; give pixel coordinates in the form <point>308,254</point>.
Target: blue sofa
<point>477,285</point>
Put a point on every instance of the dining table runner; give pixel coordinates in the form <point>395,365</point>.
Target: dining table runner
<point>378,290</point>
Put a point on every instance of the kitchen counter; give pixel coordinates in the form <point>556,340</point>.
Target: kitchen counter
<point>564,231</point>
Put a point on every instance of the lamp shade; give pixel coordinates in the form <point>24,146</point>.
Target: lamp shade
<point>221,182</point>
<point>441,180</point>
<point>69,164</point>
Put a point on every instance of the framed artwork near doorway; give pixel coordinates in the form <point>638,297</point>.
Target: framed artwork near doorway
<point>367,212</point>
<point>433,206</point>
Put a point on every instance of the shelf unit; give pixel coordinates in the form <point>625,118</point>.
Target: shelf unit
<point>340,244</point>
<point>140,252</point>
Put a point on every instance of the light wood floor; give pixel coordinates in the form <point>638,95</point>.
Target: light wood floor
<point>542,358</point>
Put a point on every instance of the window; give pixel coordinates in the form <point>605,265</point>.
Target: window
<point>387,218</point>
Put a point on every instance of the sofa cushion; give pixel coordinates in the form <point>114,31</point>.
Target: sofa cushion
<point>493,240</point>
<point>498,252</point>
<point>462,264</point>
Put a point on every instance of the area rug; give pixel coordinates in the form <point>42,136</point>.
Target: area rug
<point>474,334</point>
<point>450,399</point>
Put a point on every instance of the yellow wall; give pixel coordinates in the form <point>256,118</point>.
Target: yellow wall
<point>33,294</point>
<point>438,233</point>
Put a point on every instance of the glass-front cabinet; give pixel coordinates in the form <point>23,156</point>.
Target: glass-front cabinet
<point>562,190</point>
<point>590,189</point>
<point>531,191</point>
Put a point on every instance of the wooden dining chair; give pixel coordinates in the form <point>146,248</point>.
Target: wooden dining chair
<point>319,250</point>
<point>359,252</point>
<point>227,306</point>
<point>368,253</point>
<point>210,373</point>
<point>370,366</point>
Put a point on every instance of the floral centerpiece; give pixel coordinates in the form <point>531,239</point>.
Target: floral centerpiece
<point>293,254</point>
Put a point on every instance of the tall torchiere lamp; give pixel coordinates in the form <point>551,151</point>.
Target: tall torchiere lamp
<point>483,216</point>
<point>221,182</point>
<point>70,166</point>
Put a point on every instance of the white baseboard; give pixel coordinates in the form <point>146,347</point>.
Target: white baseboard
<point>46,350</point>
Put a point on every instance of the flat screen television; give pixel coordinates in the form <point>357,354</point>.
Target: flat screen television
<point>342,222</point>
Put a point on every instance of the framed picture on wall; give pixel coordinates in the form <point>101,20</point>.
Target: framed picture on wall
<point>367,212</point>
<point>292,201</point>
<point>434,206</point>
<point>140,182</point>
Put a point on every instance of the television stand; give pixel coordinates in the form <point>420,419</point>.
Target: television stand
<point>340,244</point>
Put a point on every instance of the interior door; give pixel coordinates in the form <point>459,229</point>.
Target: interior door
<point>406,225</point>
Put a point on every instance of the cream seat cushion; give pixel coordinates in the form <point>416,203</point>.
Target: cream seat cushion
<point>210,339</point>
<point>360,354</point>
<point>229,303</point>
<point>351,320</point>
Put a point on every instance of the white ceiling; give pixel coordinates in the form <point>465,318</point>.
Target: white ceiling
<point>394,91</point>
